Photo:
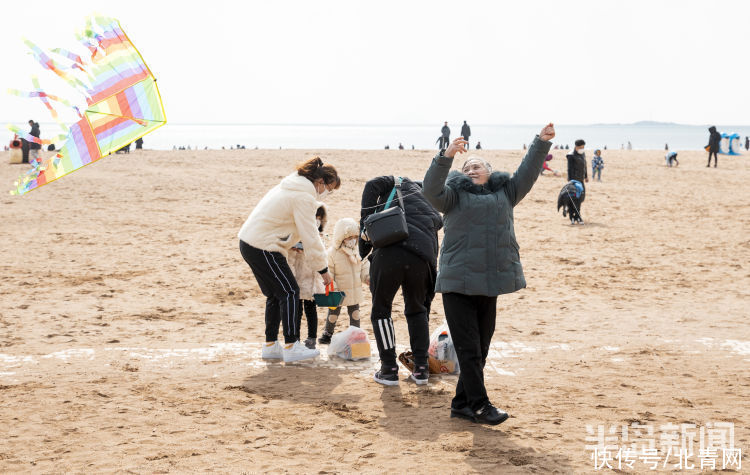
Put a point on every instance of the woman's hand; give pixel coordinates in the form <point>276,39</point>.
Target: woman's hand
<point>459,146</point>
<point>326,278</point>
<point>548,132</point>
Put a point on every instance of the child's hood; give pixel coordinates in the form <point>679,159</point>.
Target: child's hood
<point>344,228</point>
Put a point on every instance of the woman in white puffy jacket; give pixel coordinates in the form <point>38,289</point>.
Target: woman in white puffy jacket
<point>282,218</point>
<point>349,272</point>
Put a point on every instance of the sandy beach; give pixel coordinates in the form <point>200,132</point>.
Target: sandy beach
<point>130,326</point>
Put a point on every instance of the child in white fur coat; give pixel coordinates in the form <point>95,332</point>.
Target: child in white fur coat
<point>349,272</point>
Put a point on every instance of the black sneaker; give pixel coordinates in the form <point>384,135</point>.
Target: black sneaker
<point>387,376</point>
<point>310,343</point>
<point>463,413</point>
<point>421,374</point>
<point>325,339</point>
<point>489,414</point>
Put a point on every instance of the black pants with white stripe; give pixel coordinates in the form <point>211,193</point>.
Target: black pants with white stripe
<point>393,267</point>
<point>278,284</point>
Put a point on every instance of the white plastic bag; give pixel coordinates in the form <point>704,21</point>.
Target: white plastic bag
<point>442,349</point>
<point>350,344</point>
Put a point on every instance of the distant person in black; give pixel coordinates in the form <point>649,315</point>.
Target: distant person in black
<point>34,148</point>
<point>713,145</point>
<point>139,144</point>
<point>479,146</point>
<point>445,136</point>
<point>577,169</point>
<point>747,143</point>
<point>400,146</point>
<point>466,133</point>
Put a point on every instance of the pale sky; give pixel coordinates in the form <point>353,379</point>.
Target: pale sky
<point>413,62</point>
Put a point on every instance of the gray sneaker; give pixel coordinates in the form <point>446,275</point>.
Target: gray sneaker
<point>387,376</point>
<point>310,343</point>
<point>421,374</point>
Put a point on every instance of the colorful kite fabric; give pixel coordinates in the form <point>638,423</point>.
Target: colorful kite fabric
<point>123,102</point>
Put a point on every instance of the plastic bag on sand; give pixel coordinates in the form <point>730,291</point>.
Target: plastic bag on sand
<point>350,344</point>
<point>441,348</point>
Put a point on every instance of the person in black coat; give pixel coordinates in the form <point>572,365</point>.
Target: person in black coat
<point>445,136</point>
<point>466,133</point>
<point>713,145</point>
<point>411,265</point>
<point>34,148</point>
<point>577,170</point>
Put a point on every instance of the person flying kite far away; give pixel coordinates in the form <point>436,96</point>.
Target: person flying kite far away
<point>122,101</point>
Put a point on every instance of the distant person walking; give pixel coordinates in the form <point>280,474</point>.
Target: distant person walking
<point>466,133</point>
<point>747,143</point>
<point>597,163</point>
<point>139,143</point>
<point>445,136</point>
<point>713,145</point>
<point>34,148</point>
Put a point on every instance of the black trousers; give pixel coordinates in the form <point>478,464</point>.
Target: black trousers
<point>716,158</point>
<point>280,288</point>
<point>471,320</point>
<point>311,316</point>
<point>393,267</point>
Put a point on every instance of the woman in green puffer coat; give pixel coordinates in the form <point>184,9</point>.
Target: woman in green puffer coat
<point>479,258</point>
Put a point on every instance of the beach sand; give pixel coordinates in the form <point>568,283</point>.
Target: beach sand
<point>130,326</point>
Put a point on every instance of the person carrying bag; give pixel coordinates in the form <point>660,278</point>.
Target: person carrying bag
<point>408,261</point>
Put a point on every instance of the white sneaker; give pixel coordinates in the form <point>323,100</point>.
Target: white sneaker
<point>272,352</point>
<point>297,352</point>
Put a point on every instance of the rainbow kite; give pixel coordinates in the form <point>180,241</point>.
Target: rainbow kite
<point>122,101</point>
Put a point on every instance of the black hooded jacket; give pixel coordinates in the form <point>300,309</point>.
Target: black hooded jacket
<point>713,140</point>
<point>423,220</point>
<point>577,169</point>
<point>465,131</point>
<point>35,133</point>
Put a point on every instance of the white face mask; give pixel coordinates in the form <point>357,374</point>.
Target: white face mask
<point>580,151</point>
<point>350,243</point>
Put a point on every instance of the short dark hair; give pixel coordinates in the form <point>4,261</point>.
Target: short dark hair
<point>580,142</point>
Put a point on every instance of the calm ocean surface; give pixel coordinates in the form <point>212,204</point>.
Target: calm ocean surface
<point>364,137</point>
<point>649,137</point>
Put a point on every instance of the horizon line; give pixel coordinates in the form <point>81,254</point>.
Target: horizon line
<point>644,123</point>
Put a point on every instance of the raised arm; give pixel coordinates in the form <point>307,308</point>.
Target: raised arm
<point>440,196</point>
<point>531,166</point>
